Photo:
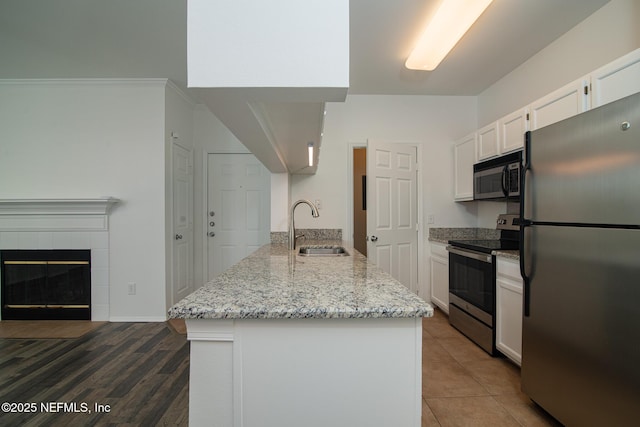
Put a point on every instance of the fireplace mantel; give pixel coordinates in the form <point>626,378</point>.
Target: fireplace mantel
<point>99,206</point>
<point>55,214</point>
<point>43,224</point>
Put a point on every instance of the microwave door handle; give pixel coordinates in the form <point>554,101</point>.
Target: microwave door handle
<point>505,184</point>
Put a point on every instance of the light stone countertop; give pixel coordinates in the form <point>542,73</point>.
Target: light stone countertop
<point>514,254</point>
<point>443,235</point>
<point>275,283</point>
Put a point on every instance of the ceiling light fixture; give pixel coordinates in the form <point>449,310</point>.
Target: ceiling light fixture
<point>310,148</point>
<point>450,22</point>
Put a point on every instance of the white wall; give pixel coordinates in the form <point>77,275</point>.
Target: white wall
<point>88,139</point>
<point>607,34</point>
<point>433,121</point>
<point>279,43</point>
<point>280,202</point>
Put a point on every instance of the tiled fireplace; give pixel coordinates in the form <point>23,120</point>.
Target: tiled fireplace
<point>63,224</point>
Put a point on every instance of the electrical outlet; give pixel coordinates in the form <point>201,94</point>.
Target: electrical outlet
<point>132,288</point>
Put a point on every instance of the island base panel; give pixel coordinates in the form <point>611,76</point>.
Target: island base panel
<point>312,372</point>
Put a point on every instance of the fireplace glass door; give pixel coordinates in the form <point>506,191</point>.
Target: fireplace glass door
<point>46,284</point>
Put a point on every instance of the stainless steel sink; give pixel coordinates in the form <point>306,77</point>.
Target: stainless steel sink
<point>323,251</point>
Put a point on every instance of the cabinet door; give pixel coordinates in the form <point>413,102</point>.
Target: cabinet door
<point>616,80</point>
<point>488,141</point>
<point>509,290</point>
<point>561,104</point>
<point>511,129</point>
<point>464,156</point>
<point>440,276</point>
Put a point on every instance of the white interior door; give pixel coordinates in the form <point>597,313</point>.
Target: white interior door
<point>239,210</point>
<point>392,223</point>
<point>182,222</point>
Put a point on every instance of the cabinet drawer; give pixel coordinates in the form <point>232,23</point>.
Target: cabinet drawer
<point>508,268</point>
<point>439,250</point>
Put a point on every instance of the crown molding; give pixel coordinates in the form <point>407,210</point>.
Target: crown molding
<point>87,81</point>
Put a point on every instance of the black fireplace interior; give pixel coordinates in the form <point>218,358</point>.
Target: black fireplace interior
<point>46,284</point>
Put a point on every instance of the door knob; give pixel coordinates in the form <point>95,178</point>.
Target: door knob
<point>211,234</point>
<point>374,238</point>
<point>178,236</point>
<point>212,213</point>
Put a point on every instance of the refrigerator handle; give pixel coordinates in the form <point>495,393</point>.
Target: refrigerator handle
<point>523,268</point>
<point>524,223</point>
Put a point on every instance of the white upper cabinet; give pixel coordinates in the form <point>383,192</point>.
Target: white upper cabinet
<point>488,142</point>
<point>609,83</point>
<point>464,156</point>
<point>616,80</point>
<point>560,104</point>
<point>511,129</point>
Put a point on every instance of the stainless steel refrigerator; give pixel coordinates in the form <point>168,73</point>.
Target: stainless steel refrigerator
<point>580,261</point>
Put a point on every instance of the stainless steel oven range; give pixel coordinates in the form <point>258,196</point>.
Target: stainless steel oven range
<point>472,282</point>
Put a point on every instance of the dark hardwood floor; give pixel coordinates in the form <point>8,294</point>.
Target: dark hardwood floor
<point>138,372</point>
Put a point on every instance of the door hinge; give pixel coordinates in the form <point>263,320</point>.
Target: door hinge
<point>586,89</point>
<point>527,116</point>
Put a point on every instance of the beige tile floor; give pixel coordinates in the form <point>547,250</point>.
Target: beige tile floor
<point>464,386</point>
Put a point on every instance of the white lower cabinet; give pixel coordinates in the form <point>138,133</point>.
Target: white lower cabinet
<point>439,262</point>
<point>509,289</point>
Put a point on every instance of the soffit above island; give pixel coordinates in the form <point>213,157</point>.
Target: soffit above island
<point>265,69</point>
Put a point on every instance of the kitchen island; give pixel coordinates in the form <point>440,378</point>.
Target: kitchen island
<point>287,340</point>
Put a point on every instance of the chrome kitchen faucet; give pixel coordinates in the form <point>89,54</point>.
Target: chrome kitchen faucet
<point>292,227</point>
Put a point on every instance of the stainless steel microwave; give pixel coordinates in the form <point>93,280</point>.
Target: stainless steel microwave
<point>499,178</point>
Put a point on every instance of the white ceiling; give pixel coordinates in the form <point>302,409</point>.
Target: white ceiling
<point>506,35</point>
<point>147,38</point>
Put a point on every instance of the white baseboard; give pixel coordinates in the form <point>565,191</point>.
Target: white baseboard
<point>137,319</point>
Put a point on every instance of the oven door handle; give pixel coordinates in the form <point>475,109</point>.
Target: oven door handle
<point>480,256</point>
